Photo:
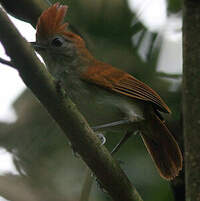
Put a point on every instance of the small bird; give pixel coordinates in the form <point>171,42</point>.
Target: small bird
<point>109,98</point>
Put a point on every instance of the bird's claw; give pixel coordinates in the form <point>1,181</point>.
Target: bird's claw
<point>102,138</point>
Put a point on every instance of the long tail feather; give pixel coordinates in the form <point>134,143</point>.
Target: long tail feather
<point>162,147</point>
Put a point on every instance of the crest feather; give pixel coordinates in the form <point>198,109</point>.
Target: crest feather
<point>51,22</point>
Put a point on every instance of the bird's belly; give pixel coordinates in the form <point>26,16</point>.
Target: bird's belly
<point>100,106</point>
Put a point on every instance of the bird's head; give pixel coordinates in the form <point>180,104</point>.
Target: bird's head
<point>55,43</point>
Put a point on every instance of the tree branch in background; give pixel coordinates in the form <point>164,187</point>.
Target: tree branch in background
<point>16,188</point>
<point>191,97</point>
<point>8,63</point>
<point>65,113</point>
<point>28,11</point>
<point>169,75</point>
<point>178,184</point>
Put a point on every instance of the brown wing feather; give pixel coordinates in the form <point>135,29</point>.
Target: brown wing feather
<point>123,83</point>
<point>51,22</point>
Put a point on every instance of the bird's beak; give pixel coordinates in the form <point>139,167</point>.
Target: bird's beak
<point>37,47</point>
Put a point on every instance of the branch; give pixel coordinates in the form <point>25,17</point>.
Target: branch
<point>8,63</point>
<point>28,11</point>
<point>65,113</point>
<point>191,97</point>
<point>169,75</point>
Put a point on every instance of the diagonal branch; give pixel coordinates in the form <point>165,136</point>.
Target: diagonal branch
<point>8,63</point>
<point>28,11</point>
<point>65,113</point>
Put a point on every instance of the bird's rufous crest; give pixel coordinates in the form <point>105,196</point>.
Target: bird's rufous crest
<point>51,21</point>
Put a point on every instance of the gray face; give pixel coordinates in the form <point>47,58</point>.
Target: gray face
<point>58,50</point>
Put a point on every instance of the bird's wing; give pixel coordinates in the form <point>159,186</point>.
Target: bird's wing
<point>121,82</point>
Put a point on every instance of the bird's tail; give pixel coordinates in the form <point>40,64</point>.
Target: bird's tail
<point>162,147</point>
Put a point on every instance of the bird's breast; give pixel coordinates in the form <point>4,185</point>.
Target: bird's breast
<point>101,106</point>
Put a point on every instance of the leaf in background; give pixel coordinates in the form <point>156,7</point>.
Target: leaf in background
<point>174,6</point>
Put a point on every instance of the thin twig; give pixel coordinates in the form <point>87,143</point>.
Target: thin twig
<point>8,63</point>
<point>191,98</point>
<point>169,75</point>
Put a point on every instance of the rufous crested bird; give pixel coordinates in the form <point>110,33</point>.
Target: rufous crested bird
<point>104,94</point>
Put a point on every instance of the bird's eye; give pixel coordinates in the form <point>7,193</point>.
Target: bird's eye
<point>57,42</point>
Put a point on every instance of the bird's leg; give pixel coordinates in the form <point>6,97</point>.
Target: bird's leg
<point>116,148</point>
<point>122,141</point>
<point>102,138</point>
<point>88,181</point>
<point>115,123</point>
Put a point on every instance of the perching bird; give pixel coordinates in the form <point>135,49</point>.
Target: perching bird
<point>105,95</point>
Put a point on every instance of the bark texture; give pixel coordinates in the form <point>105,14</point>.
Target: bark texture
<point>191,97</point>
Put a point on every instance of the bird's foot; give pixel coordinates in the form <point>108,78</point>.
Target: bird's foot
<point>136,118</point>
<point>101,137</point>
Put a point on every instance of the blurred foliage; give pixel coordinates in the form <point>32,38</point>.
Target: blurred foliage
<point>174,6</point>
<point>41,152</point>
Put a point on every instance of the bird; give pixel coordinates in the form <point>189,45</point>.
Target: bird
<point>108,97</point>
